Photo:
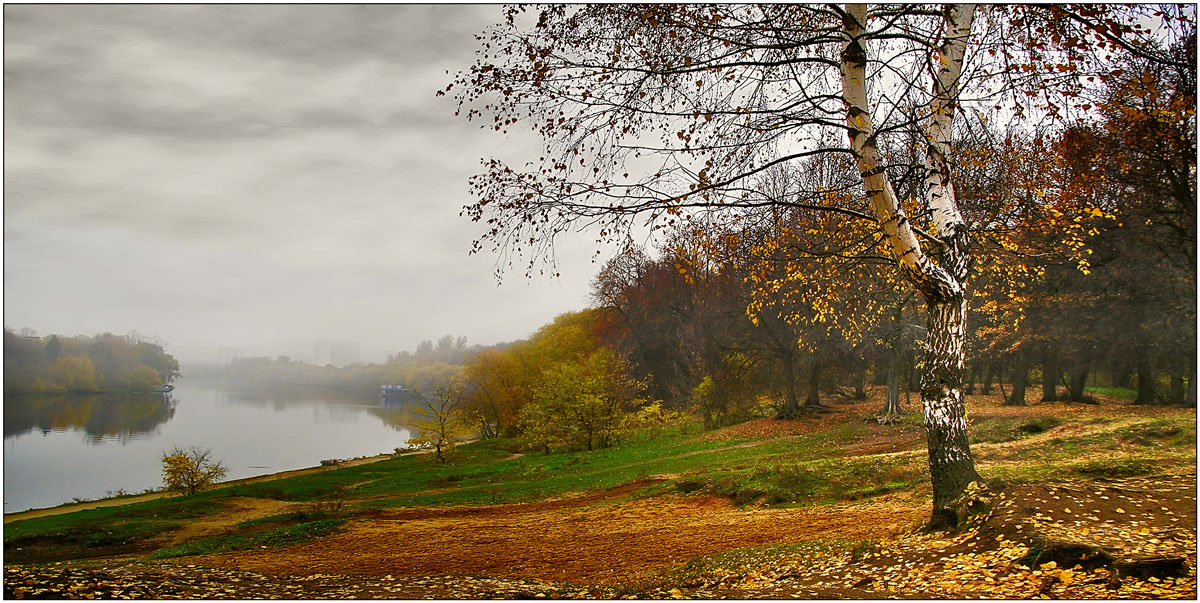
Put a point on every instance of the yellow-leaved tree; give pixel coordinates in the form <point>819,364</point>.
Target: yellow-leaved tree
<point>190,471</point>
<point>441,388</point>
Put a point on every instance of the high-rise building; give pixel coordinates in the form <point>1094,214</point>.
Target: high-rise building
<point>337,353</point>
<point>230,354</point>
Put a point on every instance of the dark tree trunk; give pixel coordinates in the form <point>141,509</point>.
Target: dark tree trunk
<point>1122,374</point>
<point>860,379</point>
<point>914,376</point>
<point>791,400</point>
<point>882,371</point>
<point>1050,374</point>
<point>1077,380</point>
<point>1020,380</point>
<point>951,465</point>
<point>1145,378</point>
<point>814,383</point>
<point>891,403</point>
<point>1190,398</point>
<point>1178,393</point>
<point>972,377</point>
<point>989,369</point>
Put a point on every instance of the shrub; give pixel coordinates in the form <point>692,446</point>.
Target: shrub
<point>190,471</point>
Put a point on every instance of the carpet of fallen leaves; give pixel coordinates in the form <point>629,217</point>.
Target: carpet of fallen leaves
<point>593,547</point>
<point>1146,527</point>
<point>1086,539</point>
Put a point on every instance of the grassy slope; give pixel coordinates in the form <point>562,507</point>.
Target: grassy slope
<point>838,457</point>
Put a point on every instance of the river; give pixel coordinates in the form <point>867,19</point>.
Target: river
<point>59,449</point>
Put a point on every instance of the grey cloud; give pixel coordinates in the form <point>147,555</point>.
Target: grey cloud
<point>247,175</point>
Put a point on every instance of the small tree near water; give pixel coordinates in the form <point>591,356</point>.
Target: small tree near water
<point>441,432</point>
<point>441,387</point>
<point>190,471</point>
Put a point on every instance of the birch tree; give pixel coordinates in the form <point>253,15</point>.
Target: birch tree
<point>654,116</point>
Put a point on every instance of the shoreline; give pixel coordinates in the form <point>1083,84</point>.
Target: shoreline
<point>137,498</point>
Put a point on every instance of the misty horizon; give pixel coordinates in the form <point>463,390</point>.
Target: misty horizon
<point>254,177</point>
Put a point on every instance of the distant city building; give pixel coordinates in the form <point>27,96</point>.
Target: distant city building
<point>230,354</point>
<point>337,353</point>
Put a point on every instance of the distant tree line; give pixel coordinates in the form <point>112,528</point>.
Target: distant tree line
<point>84,364</point>
<point>357,379</point>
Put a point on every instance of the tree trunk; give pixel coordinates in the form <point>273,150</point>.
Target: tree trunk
<point>791,401</point>
<point>914,375</point>
<point>1020,380</point>
<point>891,403</point>
<point>988,370</point>
<point>1050,374</point>
<point>1122,374</point>
<point>1077,380</point>
<point>1145,378</point>
<point>1177,394</point>
<point>941,283</point>
<point>951,465</point>
<point>972,377</point>
<point>1190,399</point>
<point>814,383</point>
<point>881,373</point>
<point>860,379</point>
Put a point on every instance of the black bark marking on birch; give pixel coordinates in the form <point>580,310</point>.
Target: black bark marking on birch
<point>879,169</point>
<point>951,464</point>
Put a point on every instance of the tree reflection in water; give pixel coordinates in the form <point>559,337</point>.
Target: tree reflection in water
<point>97,416</point>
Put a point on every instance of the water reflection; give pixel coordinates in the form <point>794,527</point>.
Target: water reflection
<point>97,416</point>
<point>57,448</point>
<point>331,406</point>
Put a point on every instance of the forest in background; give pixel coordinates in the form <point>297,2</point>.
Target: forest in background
<point>84,364</point>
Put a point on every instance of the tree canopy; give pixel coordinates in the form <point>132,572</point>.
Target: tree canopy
<point>653,118</point>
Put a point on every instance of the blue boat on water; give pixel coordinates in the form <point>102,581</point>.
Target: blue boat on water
<point>399,394</point>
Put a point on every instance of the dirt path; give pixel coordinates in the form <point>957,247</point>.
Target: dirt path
<point>129,500</point>
<point>584,540</point>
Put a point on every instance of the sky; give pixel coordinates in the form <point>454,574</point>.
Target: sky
<point>254,177</point>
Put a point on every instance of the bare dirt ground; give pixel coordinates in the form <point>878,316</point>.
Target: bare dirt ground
<point>578,540</point>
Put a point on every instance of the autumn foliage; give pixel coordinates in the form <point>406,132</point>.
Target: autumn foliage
<point>190,471</point>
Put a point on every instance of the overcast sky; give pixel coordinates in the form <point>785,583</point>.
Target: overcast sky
<point>255,177</point>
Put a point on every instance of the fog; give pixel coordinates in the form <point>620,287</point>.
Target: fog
<point>253,177</point>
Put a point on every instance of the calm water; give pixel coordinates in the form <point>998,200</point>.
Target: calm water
<point>59,449</point>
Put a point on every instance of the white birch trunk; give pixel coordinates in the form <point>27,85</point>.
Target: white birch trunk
<point>950,462</point>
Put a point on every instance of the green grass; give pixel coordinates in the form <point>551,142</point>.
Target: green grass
<point>109,526</point>
<point>1007,429</point>
<point>807,482</point>
<point>1120,393</point>
<point>1144,447</point>
<point>281,536</point>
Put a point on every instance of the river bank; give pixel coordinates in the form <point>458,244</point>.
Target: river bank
<point>137,498</point>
